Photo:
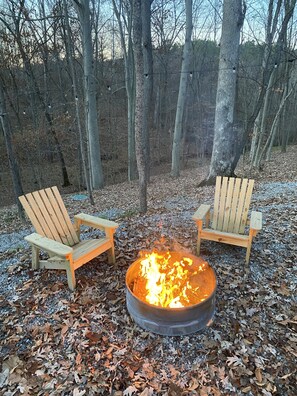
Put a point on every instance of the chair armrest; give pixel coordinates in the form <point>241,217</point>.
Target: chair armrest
<point>256,221</point>
<point>201,213</point>
<point>93,221</point>
<point>49,245</point>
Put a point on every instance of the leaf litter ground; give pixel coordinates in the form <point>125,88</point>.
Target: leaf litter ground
<point>55,342</point>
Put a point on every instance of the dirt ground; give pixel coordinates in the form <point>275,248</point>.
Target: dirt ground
<point>57,342</point>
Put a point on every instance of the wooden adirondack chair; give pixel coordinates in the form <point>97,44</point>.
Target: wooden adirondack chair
<point>229,218</point>
<point>56,235</point>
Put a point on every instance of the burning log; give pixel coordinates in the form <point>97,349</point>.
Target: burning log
<point>170,280</point>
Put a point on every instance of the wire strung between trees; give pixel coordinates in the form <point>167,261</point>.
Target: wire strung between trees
<point>179,72</point>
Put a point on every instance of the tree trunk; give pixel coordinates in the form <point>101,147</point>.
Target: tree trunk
<point>255,138</point>
<point>285,126</point>
<point>148,74</point>
<point>129,83</point>
<point>273,27</point>
<point>82,144</point>
<point>182,93</point>
<point>223,146</point>
<point>264,115</point>
<point>91,114</point>
<point>139,105</point>
<point>13,165</point>
<point>270,140</point>
<point>130,90</point>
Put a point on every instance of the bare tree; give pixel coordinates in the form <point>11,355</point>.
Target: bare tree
<point>19,13</point>
<point>90,90</point>
<point>139,105</point>
<point>167,25</point>
<point>274,42</point>
<point>82,140</point>
<point>287,92</point>
<point>148,74</point>
<point>279,14</point>
<point>123,12</point>
<point>223,152</point>
<point>13,164</point>
<point>182,94</point>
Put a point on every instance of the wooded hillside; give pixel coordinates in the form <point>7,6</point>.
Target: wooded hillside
<point>47,134</point>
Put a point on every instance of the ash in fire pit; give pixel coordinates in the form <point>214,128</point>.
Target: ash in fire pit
<point>171,293</point>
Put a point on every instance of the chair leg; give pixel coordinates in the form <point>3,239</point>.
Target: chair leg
<point>71,277</point>
<point>111,255</point>
<point>35,257</point>
<point>248,252</point>
<point>198,244</point>
<point>249,246</point>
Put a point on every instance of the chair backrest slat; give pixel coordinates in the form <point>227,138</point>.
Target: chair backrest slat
<point>234,203</point>
<point>31,214</point>
<point>56,220</point>
<point>216,202</point>
<point>245,210</point>
<point>38,204</point>
<point>231,205</point>
<point>62,215</point>
<point>48,214</point>
<point>228,205</point>
<point>221,212</point>
<point>240,206</point>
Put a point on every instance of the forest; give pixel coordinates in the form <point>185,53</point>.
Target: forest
<point>44,94</point>
<point>148,202</point>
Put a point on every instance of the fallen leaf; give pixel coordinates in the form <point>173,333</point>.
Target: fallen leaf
<point>93,336</point>
<point>234,361</point>
<point>4,377</point>
<point>258,374</point>
<point>77,392</point>
<point>130,390</point>
<point>246,389</point>
<point>78,359</point>
<point>147,392</point>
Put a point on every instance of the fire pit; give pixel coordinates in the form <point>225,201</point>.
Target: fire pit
<point>171,293</point>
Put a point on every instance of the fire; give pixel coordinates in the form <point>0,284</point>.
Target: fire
<point>170,280</point>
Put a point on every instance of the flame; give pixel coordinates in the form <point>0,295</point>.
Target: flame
<point>169,280</point>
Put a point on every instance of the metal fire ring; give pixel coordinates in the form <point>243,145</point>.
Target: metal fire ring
<point>171,321</point>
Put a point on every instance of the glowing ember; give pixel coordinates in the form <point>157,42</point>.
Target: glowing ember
<point>171,280</point>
